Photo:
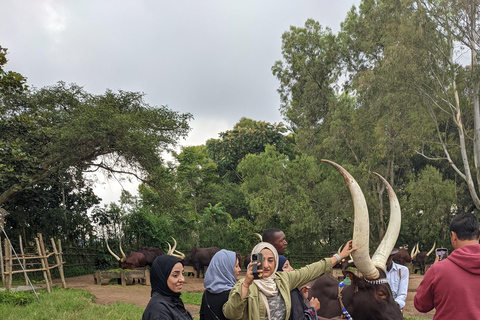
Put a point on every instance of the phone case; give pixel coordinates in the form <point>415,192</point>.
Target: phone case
<point>257,268</point>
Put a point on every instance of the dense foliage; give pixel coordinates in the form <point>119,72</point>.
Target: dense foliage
<point>385,94</point>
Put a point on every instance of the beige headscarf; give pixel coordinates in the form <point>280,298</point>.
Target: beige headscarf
<point>267,285</point>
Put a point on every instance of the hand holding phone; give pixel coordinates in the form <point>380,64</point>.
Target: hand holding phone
<point>257,269</point>
<point>442,253</point>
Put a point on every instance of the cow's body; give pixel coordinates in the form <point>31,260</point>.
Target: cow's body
<point>133,261</point>
<point>420,262</point>
<point>150,254</point>
<point>362,300</point>
<point>402,257</point>
<point>200,258</point>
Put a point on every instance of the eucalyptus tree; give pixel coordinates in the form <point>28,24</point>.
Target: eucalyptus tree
<point>452,99</point>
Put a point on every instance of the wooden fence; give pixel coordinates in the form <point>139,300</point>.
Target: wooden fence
<point>32,262</point>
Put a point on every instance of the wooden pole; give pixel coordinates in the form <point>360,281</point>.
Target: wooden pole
<point>60,266</point>
<point>44,254</point>
<point>23,255</point>
<point>2,269</point>
<point>60,252</point>
<point>8,262</point>
<point>44,268</point>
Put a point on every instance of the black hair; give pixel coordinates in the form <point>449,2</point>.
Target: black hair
<point>465,226</point>
<point>269,235</point>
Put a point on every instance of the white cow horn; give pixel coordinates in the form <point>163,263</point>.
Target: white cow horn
<point>111,252</point>
<point>391,235</point>
<point>361,227</point>
<point>258,235</point>
<point>431,250</point>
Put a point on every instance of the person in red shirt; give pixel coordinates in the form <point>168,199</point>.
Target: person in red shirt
<point>451,285</point>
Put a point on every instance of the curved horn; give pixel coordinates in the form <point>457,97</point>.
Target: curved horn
<point>259,235</point>
<point>340,249</point>
<point>417,251</point>
<point>170,251</point>
<point>121,250</point>
<point>412,253</point>
<point>179,254</point>
<point>431,250</point>
<point>111,252</point>
<point>361,227</point>
<point>385,247</point>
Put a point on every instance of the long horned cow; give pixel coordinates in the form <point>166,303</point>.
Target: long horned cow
<point>421,258</point>
<point>143,257</point>
<point>368,297</point>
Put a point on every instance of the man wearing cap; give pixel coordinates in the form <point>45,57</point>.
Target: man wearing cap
<point>397,276</point>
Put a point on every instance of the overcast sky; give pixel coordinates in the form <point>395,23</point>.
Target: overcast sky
<point>210,58</point>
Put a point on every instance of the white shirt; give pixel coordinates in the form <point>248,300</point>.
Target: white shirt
<point>399,286</point>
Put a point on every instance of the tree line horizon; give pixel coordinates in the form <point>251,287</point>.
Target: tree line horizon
<point>385,94</point>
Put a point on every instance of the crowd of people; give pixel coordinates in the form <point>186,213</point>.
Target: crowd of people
<point>281,292</point>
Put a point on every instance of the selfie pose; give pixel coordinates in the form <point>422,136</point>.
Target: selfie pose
<point>166,277</point>
<point>269,295</point>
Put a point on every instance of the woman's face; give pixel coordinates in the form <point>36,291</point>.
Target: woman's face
<point>237,269</point>
<point>287,266</point>
<point>176,278</point>
<point>269,266</point>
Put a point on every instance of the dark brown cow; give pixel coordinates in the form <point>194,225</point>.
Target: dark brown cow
<point>142,257</point>
<point>420,259</point>
<point>368,297</point>
<point>200,258</point>
<point>133,261</point>
<point>402,257</point>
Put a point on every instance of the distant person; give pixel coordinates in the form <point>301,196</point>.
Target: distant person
<point>397,276</point>
<point>166,278</point>
<point>269,297</point>
<point>451,285</point>
<point>275,237</point>
<point>299,296</point>
<point>221,276</point>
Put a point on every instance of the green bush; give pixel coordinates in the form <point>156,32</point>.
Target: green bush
<point>19,298</point>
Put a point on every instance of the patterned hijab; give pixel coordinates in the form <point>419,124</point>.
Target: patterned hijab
<point>220,274</point>
<point>159,273</point>
<point>267,285</point>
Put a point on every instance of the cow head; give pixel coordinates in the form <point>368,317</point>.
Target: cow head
<point>368,296</point>
<point>133,261</point>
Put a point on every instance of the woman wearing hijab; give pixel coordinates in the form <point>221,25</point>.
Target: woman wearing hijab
<point>166,277</point>
<point>300,311</point>
<point>221,276</point>
<point>269,297</point>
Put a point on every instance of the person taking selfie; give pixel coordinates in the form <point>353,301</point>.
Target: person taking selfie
<point>268,297</point>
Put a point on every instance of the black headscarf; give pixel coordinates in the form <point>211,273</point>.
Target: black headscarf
<point>159,273</point>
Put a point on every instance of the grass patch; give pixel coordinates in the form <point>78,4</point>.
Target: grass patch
<point>192,298</point>
<point>68,304</point>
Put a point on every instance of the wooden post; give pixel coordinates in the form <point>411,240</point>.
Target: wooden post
<point>44,254</point>
<point>147,277</point>
<point>60,252</point>
<point>23,255</point>
<point>122,277</point>
<point>60,266</point>
<point>8,266</point>
<point>44,268</point>
<point>2,269</point>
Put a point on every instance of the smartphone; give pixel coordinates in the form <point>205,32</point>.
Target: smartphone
<point>257,269</point>
<point>442,253</point>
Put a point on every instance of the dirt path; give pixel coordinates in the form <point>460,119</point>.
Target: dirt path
<point>139,295</point>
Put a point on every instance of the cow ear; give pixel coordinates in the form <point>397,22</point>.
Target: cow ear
<point>355,280</point>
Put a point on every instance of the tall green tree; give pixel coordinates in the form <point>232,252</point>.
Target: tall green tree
<point>49,130</point>
<point>247,137</point>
